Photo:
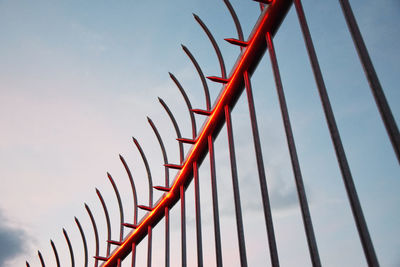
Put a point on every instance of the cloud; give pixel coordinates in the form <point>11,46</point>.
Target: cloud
<point>12,240</point>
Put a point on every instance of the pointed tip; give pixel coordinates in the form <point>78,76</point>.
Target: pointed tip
<point>148,119</point>
<point>183,47</point>
<point>64,231</point>
<point>171,75</point>
<point>75,218</point>
<point>120,156</point>
<point>134,139</point>
<point>195,16</point>
<point>97,191</point>
<point>108,174</point>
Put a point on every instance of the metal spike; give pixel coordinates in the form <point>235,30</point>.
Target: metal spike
<point>202,112</point>
<point>83,240</point>
<point>145,208</point>
<point>101,258</point>
<point>129,225</point>
<point>218,79</point>
<point>71,252</point>
<point>118,243</point>
<point>214,43</point>
<point>187,141</point>
<point>96,235</point>
<point>162,188</point>
<point>41,259</point>
<point>236,42</point>
<point>174,166</point>
<point>55,253</point>
<point>267,2</point>
<point>200,72</point>
<point>121,210</point>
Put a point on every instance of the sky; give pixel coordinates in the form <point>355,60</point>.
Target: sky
<point>78,78</point>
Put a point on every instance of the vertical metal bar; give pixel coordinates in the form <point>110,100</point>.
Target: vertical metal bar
<point>198,215</point>
<point>261,174</point>
<point>305,212</point>
<point>133,254</point>
<point>236,194</point>
<point>183,225</point>
<point>370,73</point>
<point>217,231</point>
<point>149,248</point>
<point>340,154</point>
<point>167,237</point>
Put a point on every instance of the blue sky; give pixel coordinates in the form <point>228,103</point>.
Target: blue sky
<point>77,80</point>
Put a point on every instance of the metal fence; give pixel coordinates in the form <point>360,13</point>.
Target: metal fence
<point>217,116</point>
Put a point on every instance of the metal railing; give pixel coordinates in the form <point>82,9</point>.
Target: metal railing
<point>202,145</point>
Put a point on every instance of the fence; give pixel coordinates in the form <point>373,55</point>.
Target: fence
<point>202,147</point>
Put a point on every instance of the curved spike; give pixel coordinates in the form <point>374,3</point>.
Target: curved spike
<point>164,153</point>
<point>83,241</point>
<point>55,253</point>
<point>71,251</point>
<point>188,104</point>
<point>103,203</point>
<point>235,20</point>
<point>214,43</point>
<point>202,78</point>
<point>146,164</point>
<point>121,210</point>
<point>96,235</point>
<point>173,120</point>
<point>27,264</point>
<point>128,171</point>
<point>41,259</point>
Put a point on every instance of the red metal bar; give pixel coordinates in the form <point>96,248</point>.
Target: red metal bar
<point>269,21</point>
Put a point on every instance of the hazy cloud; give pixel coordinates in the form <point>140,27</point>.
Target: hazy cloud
<point>12,241</point>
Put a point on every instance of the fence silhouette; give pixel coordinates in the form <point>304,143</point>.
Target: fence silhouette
<point>201,143</point>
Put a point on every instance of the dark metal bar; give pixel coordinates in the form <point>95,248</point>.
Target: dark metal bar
<point>217,232</point>
<point>198,215</point>
<point>162,147</point>
<point>96,235</point>
<point>173,120</point>
<point>55,253</point>
<point>133,251</point>
<point>183,225</point>
<point>121,210</point>
<point>214,43</point>
<point>167,241</point>
<point>146,164</point>
<point>261,174</point>
<point>71,251</point>
<point>236,194</point>
<point>107,219</point>
<point>237,25</point>
<point>27,264</point>
<point>149,246</point>
<point>305,212</point>
<point>41,259</point>
<point>188,104</point>
<point>83,241</point>
<point>201,75</point>
<point>135,211</point>
<point>128,171</point>
<point>340,154</point>
<point>247,61</point>
<point>373,80</point>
